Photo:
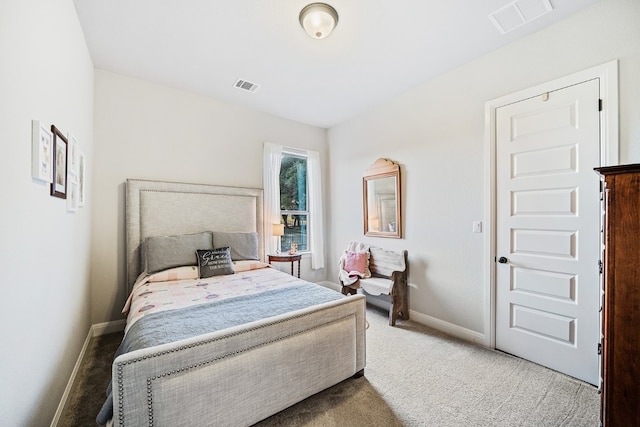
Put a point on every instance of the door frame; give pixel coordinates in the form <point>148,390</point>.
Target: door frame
<point>608,78</point>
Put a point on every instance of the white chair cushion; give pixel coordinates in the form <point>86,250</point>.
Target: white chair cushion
<point>376,285</point>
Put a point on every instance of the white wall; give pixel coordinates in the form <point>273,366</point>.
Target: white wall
<point>46,74</point>
<point>436,132</point>
<point>147,131</point>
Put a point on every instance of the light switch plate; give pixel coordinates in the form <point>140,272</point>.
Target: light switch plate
<point>477,226</point>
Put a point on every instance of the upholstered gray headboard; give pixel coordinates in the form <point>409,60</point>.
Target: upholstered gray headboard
<point>157,208</point>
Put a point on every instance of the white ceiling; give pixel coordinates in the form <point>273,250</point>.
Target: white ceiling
<point>379,49</point>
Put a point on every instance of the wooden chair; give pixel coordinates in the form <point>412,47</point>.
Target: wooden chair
<point>389,272</point>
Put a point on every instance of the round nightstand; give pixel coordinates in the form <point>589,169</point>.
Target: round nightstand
<point>286,258</point>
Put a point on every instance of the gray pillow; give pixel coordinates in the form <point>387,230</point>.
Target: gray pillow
<point>214,262</point>
<point>243,245</point>
<point>161,253</point>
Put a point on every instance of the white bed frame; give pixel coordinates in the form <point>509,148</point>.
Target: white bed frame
<point>240,375</point>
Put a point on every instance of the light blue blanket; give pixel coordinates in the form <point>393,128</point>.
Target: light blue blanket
<point>174,325</point>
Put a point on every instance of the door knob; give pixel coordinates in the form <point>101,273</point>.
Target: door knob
<point>502,260</point>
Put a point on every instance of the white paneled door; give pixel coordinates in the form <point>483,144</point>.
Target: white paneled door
<point>548,221</point>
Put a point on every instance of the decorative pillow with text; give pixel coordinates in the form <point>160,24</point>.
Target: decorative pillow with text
<point>214,262</point>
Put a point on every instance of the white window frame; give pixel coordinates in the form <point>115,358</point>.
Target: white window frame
<point>288,152</point>
<point>271,183</point>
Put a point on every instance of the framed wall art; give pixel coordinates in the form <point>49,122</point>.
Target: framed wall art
<point>72,194</point>
<point>73,158</point>
<point>81,180</point>
<point>59,184</point>
<point>41,152</point>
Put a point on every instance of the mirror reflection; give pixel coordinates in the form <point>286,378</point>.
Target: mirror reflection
<point>382,204</point>
<point>381,188</point>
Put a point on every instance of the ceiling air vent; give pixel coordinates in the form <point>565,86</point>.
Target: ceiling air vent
<point>518,13</point>
<point>245,85</point>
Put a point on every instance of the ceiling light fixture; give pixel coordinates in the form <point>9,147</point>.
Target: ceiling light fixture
<point>318,19</point>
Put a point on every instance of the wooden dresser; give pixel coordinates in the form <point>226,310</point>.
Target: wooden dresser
<point>621,304</point>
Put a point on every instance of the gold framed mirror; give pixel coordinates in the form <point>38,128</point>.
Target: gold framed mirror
<point>381,199</point>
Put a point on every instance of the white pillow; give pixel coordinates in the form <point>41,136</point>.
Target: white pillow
<point>178,273</point>
<point>247,265</point>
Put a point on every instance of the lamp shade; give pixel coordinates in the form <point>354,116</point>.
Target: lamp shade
<point>318,20</point>
<point>278,230</point>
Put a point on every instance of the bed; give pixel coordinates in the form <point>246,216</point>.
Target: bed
<point>252,354</point>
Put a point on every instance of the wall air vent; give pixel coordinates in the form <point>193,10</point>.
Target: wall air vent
<point>245,85</point>
<point>518,13</point>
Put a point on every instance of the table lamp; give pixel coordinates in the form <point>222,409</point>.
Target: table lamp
<point>278,231</point>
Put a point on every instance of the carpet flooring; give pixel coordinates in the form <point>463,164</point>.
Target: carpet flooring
<point>415,376</point>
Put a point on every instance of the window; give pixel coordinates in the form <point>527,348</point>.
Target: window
<point>294,212</point>
<point>292,183</point>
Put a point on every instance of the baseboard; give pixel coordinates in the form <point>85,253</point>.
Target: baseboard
<point>108,327</point>
<point>95,331</point>
<point>430,321</point>
<point>448,328</point>
<point>330,285</point>
<point>67,390</point>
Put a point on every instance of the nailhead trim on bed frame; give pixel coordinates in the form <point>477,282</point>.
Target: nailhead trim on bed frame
<point>150,380</point>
